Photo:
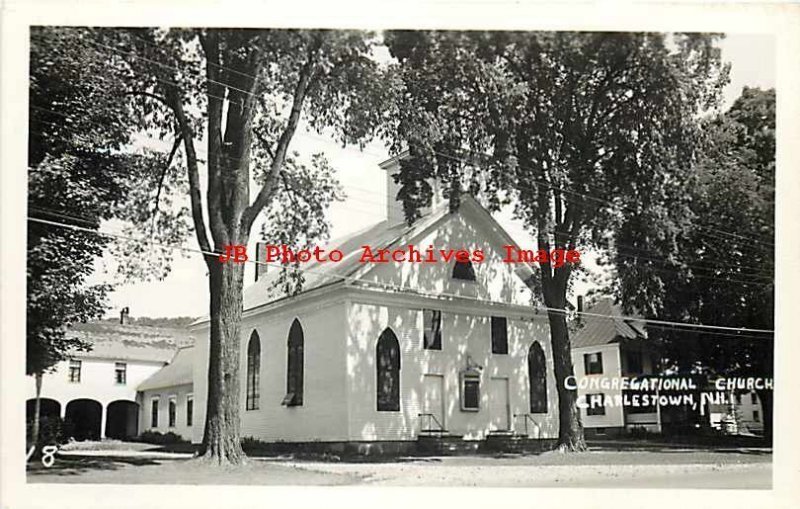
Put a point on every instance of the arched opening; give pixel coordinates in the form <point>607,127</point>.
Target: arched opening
<point>294,366</point>
<point>253,372</point>
<point>537,379</point>
<point>83,417</point>
<point>122,419</point>
<point>387,355</point>
<point>48,409</point>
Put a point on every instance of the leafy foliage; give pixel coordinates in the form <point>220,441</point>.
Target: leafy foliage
<point>724,272</point>
<point>594,137</point>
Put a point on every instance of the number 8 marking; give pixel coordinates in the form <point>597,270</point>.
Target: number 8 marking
<point>48,455</point>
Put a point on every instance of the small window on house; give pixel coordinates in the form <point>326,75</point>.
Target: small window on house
<point>753,398</point>
<point>499,335</point>
<point>593,363</point>
<point>633,359</point>
<point>738,399</point>
<point>432,329</point>
<point>387,357</point>
<point>294,366</point>
<point>463,270</point>
<point>253,372</point>
<point>470,391</point>
<point>537,379</point>
<point>121,373</point>
<point>154,413</point>
<point>172,410</point>
<point>595,404</point>
<point>74,371</point>
<point>755,415</point>
<point>189,409</point>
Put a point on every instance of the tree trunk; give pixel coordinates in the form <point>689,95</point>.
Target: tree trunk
<point>37,409</point>
<point>765,396</point>
<point>222,435</point>
<point>570,429</point>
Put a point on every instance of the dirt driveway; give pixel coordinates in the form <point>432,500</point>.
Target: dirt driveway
<point>690,468</point>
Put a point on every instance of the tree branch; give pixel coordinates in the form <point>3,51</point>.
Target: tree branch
<point>210,44</point>
<point>267,190</point>
<point>196,199</point>
<point>151,95</point>
<point>175,146</point>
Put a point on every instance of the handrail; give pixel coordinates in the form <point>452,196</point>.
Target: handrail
<point>525,421</point>
<point>431,417</point>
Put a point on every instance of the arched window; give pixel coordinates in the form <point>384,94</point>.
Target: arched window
<point>294,366</point>
<point>463,270</point>
<point>253,371</point>
<point>537,378</point>
<point>387,355</point>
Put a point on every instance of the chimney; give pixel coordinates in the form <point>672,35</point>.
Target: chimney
<point>124,315</point>
<point>580,303</point>
<point>394,207</point>
<point>261,253</point>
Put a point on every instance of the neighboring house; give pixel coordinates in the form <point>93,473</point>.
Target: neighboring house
<point>166,397</point>
<point>740,414</point>
<point>608,349</point>
<point>387,353</point>
<point>95,392</point>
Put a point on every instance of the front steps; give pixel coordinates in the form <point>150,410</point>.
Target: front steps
<point>446,444</point>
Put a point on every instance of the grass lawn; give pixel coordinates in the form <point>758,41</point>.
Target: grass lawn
<point>653,467</point>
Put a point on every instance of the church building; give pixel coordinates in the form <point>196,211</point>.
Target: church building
<point>393,352</point>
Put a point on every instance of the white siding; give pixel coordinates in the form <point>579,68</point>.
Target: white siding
<point>496,280</point>
<point>614,416</point>
<point>462,335</point>
<point>98,382</point>
<point>323,413</point>
<point>163,395</point>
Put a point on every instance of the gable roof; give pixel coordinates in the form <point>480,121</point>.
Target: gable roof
<point>382,235</point>
<point>129,342</point>
<point>316,275</point>
<point>177,372</point>
<point>596,331</point>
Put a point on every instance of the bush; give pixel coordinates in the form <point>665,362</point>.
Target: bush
<point>158,438</point>
<point>52,430</point>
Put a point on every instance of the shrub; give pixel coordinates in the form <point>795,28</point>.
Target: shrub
<point>52,430</point>
<point>158,438</point>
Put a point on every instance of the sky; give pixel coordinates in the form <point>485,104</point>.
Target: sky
<point>185,291</point>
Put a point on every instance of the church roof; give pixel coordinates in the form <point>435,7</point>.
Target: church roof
<point>177,372</point>
<point>596,331</point>
<point>129,342</point>
<point>381,235</point>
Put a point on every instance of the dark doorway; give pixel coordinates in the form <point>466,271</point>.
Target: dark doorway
<point>122,419</point>
<point>49,408</point>
<point>83,416</point>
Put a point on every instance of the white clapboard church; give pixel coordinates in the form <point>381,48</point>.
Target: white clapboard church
<point>388,354</point>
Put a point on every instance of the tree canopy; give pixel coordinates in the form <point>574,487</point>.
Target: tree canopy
<point>588,133</point>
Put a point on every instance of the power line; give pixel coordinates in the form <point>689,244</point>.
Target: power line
<point>401,288</point>
<point>391,205</point>
<point>756,275</point>
<point>750,281</point>
<point>133,55</point>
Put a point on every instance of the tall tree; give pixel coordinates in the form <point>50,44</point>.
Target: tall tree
<point>244,93</point>
<point>580,130</point>
<point>78,177</point>
<point>724,271</point>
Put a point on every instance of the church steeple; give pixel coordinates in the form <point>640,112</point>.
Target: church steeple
<point>394,207</point>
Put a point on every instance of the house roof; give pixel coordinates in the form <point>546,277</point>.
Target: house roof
<point>129,342</point>
<point>595,330</point>
<point>177,372</point>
